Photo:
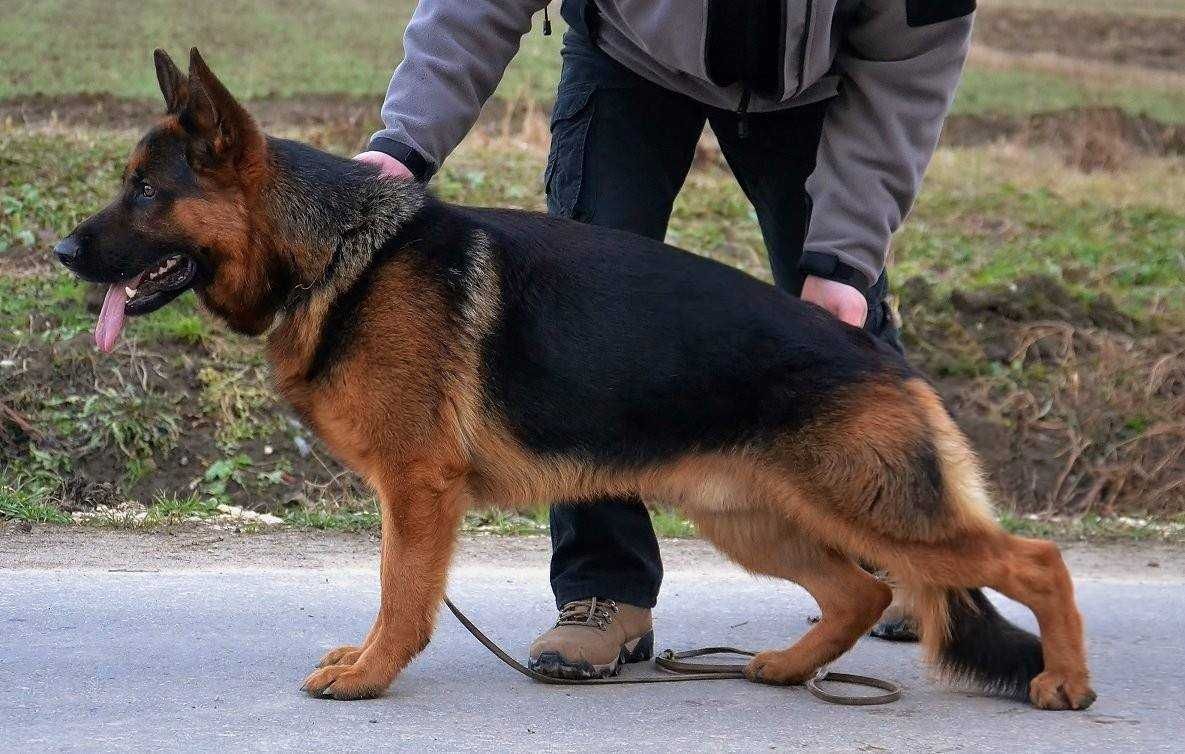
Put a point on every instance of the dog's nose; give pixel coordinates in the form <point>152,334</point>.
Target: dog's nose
<point>67,250</point>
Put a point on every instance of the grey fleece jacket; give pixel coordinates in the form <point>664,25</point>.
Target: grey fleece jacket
<point>892,67</point>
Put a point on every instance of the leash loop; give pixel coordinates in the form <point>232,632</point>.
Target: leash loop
<point>679,670</point>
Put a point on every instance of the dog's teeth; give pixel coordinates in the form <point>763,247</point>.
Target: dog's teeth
<point>130,291</point>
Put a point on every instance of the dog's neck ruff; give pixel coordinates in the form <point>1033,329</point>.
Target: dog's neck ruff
<point>333,214</point>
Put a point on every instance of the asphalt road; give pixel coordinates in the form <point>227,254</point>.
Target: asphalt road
<point>126,651</point>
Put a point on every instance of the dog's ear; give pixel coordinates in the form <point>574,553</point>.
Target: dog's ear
<point>225,129</point>
<point>173,83</point>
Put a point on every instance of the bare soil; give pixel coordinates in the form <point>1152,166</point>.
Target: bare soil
<point>1088,138</point>
<point>1125,38</point>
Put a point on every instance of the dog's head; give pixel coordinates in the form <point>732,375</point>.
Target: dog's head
<point>184,215</point>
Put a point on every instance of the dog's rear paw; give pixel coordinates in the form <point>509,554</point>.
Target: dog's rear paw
<point>1058,691</point>
<point>347,654</point>
<point>779,667</point>
<point>345,682</point>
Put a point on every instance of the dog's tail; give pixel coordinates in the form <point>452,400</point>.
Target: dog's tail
<point>971,643</point>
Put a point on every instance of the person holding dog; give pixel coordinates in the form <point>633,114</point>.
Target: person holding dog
<point>827,111</point>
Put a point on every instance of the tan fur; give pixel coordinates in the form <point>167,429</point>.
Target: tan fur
<point>961,472</point>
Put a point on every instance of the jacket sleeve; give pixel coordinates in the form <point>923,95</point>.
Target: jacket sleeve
<point>454,54</point>
<point>900,65</point>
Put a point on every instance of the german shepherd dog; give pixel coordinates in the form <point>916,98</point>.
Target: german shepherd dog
<point>451,354</point>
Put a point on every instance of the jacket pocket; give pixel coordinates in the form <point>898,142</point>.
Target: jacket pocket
<point>926,12</point>
<point>564,175</point>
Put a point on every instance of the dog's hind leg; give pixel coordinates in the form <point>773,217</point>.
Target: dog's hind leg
<point>1037,577</point>
<point>850,600</point>
<point>1029,571</point>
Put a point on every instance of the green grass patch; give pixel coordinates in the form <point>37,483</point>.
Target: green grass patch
<point>281,48</point>
<point>327,520</point>
<point>990,91</point>
<point>979,235</point>
<point>178,323</point>
<point>507,523</point>
<point>50,183</point>
<point>23,501</point>
<point>671,524</point>
<point>259,47</point>
<point>171,508</point>
<point>241,398</point>
<point>1093,528</point>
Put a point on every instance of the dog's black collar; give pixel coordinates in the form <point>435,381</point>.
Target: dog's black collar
<point>300,294</point>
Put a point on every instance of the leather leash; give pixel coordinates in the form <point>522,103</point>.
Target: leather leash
<point>693,671</point>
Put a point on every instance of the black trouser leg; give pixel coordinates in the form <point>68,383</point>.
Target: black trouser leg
<point>620,151</point>
<point>772,164</point>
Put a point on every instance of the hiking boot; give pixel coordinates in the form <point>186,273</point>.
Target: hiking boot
<point>592,638</point>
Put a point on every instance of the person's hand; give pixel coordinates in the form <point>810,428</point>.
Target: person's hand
<point>390,167</point>
<point>840,299</point>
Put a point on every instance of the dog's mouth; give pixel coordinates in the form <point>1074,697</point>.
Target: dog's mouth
<point>144,293</point>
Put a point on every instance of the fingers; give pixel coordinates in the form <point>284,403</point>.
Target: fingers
<point>390,167</point>
<point>842,300</point>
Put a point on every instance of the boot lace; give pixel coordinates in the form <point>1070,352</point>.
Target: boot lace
<point>593,611</point>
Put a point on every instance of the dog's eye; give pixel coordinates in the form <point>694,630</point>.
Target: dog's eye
<point>147,191</point>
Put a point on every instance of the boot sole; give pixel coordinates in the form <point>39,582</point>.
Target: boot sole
<point>557,666</point>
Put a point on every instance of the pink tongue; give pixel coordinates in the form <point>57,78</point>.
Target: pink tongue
<point>111,318</point>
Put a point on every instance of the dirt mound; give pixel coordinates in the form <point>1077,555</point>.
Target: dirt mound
<point>15,431</point>
<point>1125,38</point>
<point>1089,138</point>
<point>1042,298</point>
<point>108,111</point>
<point>1075,407</point>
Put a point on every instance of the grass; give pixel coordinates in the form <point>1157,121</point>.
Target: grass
<point>1094,528</point>
<point>261,47</point>
<point>170,508</point>
<point>977,226</point>
<point>267,49</point>
<point>324,520</point>
<point>21,501</point>
<point>987,90</point>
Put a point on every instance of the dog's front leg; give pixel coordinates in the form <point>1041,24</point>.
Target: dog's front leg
<point>421,512</point>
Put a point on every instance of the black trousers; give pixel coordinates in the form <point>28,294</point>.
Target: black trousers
<point>621,148</point>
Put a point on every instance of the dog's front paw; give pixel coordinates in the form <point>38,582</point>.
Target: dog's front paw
<point>346,682</point>
<point>779,667</point>
<point>1058,691</point>
<point>347,654</point>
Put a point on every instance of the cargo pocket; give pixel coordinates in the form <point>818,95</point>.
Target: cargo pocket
<point>564,175</point>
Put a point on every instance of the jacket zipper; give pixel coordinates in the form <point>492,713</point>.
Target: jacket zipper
<point>806,46</point>
<point>743,105</point>
<point>743,114</point>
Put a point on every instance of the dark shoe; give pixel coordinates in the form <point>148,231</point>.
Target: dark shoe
<point>592,639</point>
<point>895,626</point>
